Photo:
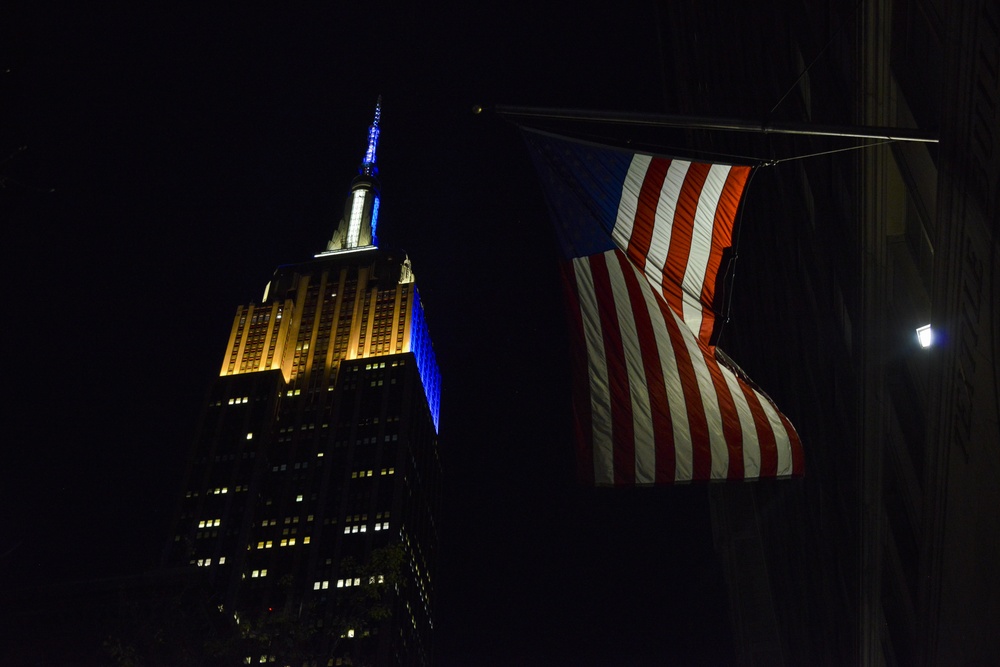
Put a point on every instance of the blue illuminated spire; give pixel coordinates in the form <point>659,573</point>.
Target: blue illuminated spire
<point>356,230</point>
<point>368,167</point>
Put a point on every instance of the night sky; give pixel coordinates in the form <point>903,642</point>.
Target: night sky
<point>174,157</point>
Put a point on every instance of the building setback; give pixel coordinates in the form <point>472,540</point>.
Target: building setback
<point>312,493</point>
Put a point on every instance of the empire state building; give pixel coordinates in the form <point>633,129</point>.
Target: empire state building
<point>312,493</point>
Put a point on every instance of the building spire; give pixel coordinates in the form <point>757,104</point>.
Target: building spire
<point>356,230</point>
<point>368,167</point>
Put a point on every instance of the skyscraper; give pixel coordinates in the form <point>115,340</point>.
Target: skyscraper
<point>311,496</point>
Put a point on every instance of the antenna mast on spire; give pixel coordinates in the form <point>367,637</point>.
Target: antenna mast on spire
<point>368,167</point>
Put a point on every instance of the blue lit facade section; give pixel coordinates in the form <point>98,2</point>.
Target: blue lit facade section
<point>423,350</point>
<point>375,220</point>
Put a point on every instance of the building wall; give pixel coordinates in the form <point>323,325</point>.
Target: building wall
<point>880,555</point>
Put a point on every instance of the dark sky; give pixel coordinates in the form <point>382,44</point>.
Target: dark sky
<point>175,156</point>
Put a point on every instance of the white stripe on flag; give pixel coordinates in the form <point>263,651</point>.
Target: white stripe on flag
<point>684,463</point>
<point>781,443</point>
<point>642,416</point>
<point>628,205</point>
<point>597,370</point>
<point>701,245</point>
<point>709,400</point>
<point>666,209</point>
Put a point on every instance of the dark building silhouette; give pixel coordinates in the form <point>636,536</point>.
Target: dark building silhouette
<point>313,488</point>
<point>886,552</point>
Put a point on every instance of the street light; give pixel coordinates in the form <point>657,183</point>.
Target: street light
<point>925,336</point>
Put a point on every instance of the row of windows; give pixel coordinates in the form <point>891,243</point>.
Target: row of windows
<point>284,466</point>
<point>361,529</point>
<point>209,523</point>
<point>288,542</point>
<point>221,490</point>
<point>370,473</point>
<point>207,562</point>
<point>348,582</point>
<point>288,520</point>
<point>364,517</point>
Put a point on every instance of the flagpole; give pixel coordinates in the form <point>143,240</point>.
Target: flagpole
<point>722,124</point>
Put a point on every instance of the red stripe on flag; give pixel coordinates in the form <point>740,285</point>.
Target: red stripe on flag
<point>731,428</point>
<point>722,237</point>
<point>765,433</point>
<point>680,235</point>
<point>622,428</point>
<point>663,429</point>
<point>645,214</point>
<point>582,417</point>
<point>701,453</point>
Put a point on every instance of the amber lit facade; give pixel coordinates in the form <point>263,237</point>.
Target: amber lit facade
<point>318,448</point>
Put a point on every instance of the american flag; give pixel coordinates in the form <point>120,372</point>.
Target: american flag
<point>643,239</point>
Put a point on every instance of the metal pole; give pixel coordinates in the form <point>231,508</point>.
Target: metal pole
<point>723,124</point>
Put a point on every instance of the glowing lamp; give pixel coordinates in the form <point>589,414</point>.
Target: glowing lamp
<point>925,336</point>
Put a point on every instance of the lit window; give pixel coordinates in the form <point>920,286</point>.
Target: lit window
<point>305,540</point>
<point>925,336</point>
<point>269,544</point>
<point>340,583</point>
<point>222,560</point>
<point>255,574</point>
<point>298,498</point>
<point>249,436</point>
